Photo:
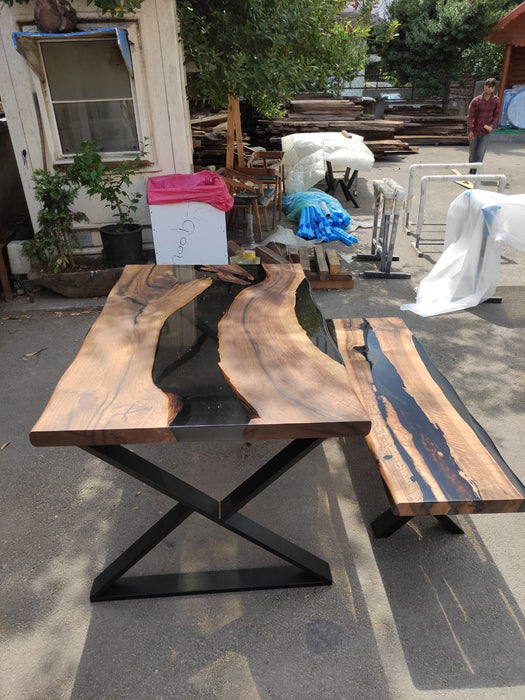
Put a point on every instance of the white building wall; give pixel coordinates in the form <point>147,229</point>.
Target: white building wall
<point>160,89</point>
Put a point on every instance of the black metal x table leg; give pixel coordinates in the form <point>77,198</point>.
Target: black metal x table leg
<point>303,569</point>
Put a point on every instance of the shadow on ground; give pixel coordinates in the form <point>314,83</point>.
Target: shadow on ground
<point>459,626</point>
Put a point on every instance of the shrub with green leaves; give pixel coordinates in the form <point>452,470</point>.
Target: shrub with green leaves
<point>54,242</point>
<point>108,181</point>
<point>267,52</point>
<point>433,40</point>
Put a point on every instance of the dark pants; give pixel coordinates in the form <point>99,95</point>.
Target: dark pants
<point>477,148</point>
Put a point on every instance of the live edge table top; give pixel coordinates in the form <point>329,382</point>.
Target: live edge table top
<point>206,353</point>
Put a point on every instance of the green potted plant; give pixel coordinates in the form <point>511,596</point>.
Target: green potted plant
<point>52,249</point>
<point>112,183</point>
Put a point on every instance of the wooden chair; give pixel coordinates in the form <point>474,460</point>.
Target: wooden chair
<point>269,180</point>
<point>249,192</point>
<point>245,198</point>
<point>270,160</point>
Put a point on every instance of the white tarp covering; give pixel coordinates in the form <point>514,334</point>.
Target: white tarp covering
<point>305,156</point>
<point>467,272</point>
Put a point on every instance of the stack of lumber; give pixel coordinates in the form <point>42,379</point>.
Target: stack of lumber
<point>322,266</point>
<point>396,145</point>
<point>402,127</point>
<point>367,128</point>
<point>430,125</point>
<point>421,125</point>
<point>209,138</point>
<point>325,114</point>
<point>324,110</point>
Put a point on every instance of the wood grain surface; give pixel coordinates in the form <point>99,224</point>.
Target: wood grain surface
<point>287,384</point>
<point>289,387</point>
<point>107,396</point>
<point>433,456</point>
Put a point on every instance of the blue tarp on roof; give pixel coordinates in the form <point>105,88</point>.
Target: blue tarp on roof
<point>25,43</point>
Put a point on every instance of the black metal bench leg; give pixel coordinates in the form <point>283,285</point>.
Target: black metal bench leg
<point>346,186</point>
<point>449,524</point>
<point>388,523</point>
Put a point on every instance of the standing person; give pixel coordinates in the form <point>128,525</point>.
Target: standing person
<point>483,116</point>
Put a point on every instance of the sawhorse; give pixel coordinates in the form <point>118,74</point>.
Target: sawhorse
<point>347,181</point>
<point>390,200</point>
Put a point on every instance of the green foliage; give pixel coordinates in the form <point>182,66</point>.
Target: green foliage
<point>433,37</point>
<point>483,60</point>
<point>54,243</point>
<point>267,52</point>
<point>116,8</point>
<point>111,183</point>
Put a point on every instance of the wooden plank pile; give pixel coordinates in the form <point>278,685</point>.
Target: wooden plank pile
<point>322,266</point>
<point>367,128</point>
<point>436,140</point>
<point>310,114</point>
<point>209,139</point>
<point>427,125</point>
<point>402,127</point>
<point>431,125</point>
<point>324,110</point>
<point>396,145</point>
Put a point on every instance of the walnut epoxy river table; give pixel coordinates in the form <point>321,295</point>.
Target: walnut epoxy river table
<point>205,354</point>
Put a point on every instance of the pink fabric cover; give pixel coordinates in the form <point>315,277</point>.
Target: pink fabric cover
<point>203,186</point>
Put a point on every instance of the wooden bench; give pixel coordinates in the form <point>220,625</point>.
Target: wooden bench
<point>434,458</point>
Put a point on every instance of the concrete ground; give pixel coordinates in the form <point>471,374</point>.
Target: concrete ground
<point>420,615</point>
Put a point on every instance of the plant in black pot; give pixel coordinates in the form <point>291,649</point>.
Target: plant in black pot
<point>51,251</point>
<point>112,183</point>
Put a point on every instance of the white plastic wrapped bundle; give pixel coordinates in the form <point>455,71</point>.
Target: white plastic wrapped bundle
<point>305,156</point>
<point>467,272</point>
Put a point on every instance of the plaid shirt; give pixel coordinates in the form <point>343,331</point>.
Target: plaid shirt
<point>481,112</point>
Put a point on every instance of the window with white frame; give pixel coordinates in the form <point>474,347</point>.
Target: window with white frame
<point>88,87</point>
<point>91,94</point>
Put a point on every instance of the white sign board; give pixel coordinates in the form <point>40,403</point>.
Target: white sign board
<point>189,233</point>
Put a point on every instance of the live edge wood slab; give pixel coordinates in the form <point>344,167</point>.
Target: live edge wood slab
<point>288,387</point>
<point>434,458</point>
